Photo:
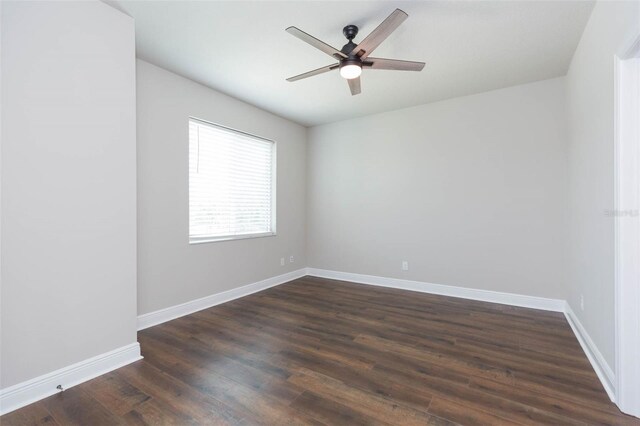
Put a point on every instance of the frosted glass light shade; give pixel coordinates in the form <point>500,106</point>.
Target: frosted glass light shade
<point>350,71</point>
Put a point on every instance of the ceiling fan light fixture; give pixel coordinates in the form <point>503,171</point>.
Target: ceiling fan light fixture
<point>350,69</point>
<point>352,57</point>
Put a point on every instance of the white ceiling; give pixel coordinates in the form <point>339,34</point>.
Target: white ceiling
<point>240,48</point>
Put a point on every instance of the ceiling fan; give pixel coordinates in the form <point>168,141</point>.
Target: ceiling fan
<point>353,57</point>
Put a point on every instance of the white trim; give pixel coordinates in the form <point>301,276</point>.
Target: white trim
<point>33,390</point>
<point>627,228</point>
<point>599,364</point>
<point>177,311</point>
<point>202,240</point>
<point>555,305</point>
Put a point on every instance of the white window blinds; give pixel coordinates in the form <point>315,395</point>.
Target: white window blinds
<point>231,184</point>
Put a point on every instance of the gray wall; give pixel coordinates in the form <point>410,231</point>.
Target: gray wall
<point>68,185</point>
<point>590,99</point>
<point>170,271</point>
<point>471,191</point>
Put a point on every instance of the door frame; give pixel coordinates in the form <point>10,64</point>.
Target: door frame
<point>627,229</point>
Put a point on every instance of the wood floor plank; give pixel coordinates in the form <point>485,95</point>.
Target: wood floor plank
<point>76,407</point>
<point>153,412</point>
<point>260,404</point>
<point>568,410</point>
<point>465,366</point>
<point>114,393</point>
<point>465,415</point>
<point>36,414</point>
<point>181,397</point>
<point>329,412</point>
<point>323,352</point>
<point>199,366</point>
<point>381,408</point>
<point>477,400</point>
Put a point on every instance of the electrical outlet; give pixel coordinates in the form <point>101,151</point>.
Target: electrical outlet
<point>582,302</point>
<point>290,259</point>
<point>405,265</point>
<point>282,261</point>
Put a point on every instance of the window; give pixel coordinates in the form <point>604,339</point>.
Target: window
<point>231,184</point>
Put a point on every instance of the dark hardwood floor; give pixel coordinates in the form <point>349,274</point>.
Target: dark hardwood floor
<point>316,351</point>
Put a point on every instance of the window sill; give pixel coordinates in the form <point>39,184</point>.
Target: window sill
<point>202,240</point>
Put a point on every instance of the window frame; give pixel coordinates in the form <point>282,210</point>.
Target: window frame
<point>274,180</point>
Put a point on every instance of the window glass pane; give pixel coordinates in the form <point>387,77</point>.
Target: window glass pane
<point>230,183</point>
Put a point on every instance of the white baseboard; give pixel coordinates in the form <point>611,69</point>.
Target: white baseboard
<point>555,305</point>
<point>603,370</point>
<point>177,311</point>
<point>33,390</point>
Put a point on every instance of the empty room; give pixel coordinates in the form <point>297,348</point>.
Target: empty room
<point>319,212</point>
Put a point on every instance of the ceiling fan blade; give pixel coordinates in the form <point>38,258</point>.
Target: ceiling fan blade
<point>314,72</point>
<point>354,85</point>
<point>318,44</point>
<point>393,64</point>
<point>378,35</point>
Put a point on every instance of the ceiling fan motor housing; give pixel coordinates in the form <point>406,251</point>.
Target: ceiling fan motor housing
<point>350,61</point>
<point>350,32</point>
